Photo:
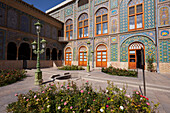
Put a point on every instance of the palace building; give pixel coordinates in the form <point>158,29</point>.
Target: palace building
<point>117,30</point>
<point>17,32</point>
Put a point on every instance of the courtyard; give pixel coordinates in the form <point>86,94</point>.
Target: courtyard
<point>157,85</point>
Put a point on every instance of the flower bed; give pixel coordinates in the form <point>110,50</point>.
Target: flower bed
<point>120,72</point>
<point>71,99</point>
<point>72,67</point>
<point>11,76</point>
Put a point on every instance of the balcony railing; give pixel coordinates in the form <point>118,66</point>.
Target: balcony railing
<point>63,39</point>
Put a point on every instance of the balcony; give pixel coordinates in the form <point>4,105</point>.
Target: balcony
<point>63,39</point>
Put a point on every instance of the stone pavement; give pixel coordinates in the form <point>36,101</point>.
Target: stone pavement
<point>157,85</point>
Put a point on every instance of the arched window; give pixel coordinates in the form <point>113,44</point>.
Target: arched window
<point>68,56</point>
<point>82,2</point>
<point>82,56</point>
<point>101,56</point>
<point>69,29</point>
<point>83,26</point>
<point>101,22</point>
<point>136,15</point>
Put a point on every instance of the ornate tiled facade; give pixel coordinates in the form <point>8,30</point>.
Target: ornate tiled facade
<point>114,52</point>
<point>164,46</point>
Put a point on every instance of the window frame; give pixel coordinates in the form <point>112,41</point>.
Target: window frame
<point>69,30</point>
<point>83,26</point>
<point>135,14</point>
<point>101,22</point>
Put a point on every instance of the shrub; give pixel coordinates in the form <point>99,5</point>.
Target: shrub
<point>11,76</point>
<point>73,67</point>
<point>71,99</point>
<point>150,64</point>
<point>120,72</point>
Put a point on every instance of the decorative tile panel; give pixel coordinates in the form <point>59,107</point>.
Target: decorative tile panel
<point>91,18</point>
<point>113,4</point>
<point>150,34</point>
<point>68,11</point>
<point>24,23</point>
<point>114,52</point>
<point>164,16</point>
<point>2,17</point>
<point>164,47</point>
<point>114,12</point>
<point>123,16</point>
<point>12,19</point>
<point>114,25</point>
<point>2,44</point>
<point>75,22</point>
<point>149,18</point>
<point>148,43</point>
<point>86,6</point>
<point>106,5</point>
<point>74,54</point>
<point>99,1</point>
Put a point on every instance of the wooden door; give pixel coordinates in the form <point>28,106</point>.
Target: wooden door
<point>101,56</point>
<point>83,56</point>
<point>133,54</point>
<point>68,56</point>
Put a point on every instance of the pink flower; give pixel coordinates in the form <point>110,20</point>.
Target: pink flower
<point>71,107</point>
<point>43,91</point>
<point>68,87</point>
<point>87,81</point>
<point>37,99</point>
<point>81,91</point>
<point>65,103</point>
<point>52,84</point>
<point>148,103</point>
<point>35,96</point>
<point>147,99</point>
<point>94,100</point>
<point>27,100</point>
<point>16,94</point>
<point>137,93</point>
<point>108,98</point>
<point>49,88</point>
<point>61,100</point>
<point>88,92</point>
<point>61,85</point>
<point>107,106</point>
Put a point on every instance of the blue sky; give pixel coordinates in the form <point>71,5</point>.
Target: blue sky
<point>44,5</point>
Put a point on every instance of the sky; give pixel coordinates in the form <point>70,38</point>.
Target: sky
<point>43,5</point>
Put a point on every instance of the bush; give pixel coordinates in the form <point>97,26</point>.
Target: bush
<point>150,64</point>
<point>11,76</point>
<point>73,67</point>
<point>71,99</point>
<point>120,72</point>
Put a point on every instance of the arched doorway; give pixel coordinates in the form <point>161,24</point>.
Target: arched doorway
<point>48,54</point>
<point>134,52</point>
<point>54,54</point>
<point>68,56</point>
<point>101,56</point>
<point>24,52</point>
<point>82,56</point>
<point>11,51</point>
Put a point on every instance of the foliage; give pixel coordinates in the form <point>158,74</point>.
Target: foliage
<point>10,76</point>
<point>120,72</point>
<point>62,98</point>
<point>72,67</point>
<point>150,64</point>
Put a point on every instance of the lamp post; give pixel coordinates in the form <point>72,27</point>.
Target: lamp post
<point>88,66</point>
<point>36,45</point>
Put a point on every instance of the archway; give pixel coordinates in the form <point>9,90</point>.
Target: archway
<point>134,55</point>
<point>24,52</point>
<point>60,55</point>
<point>82,56</point>
<point>68,56</point>
<point>48,54</point>
<point>54,54</point>
<point>11,51</point>
<point>101,56</point>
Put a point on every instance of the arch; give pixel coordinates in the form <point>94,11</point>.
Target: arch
<point>24,51</point>
<point>69,29</point>
<point>82,2</point>
<point>134,55</point>
<point>11,51</point>
<point>83,56</point>
<point>68,56</point>
<point>101,55</point>
<point>101,10</point>
<point>54,54</point>
<point>83,25</point>
<point>48,54</point>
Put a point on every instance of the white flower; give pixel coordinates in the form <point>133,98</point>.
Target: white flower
<point>121,107</point>
<point>120,89</point>
<point>141,98</point>
<point>101,110</point>
<point>48,106</point>
<point>88,110</point>
<point>59,107</point>
<point>127,96</point>
<point>24,97</point>
<point>107,91</point>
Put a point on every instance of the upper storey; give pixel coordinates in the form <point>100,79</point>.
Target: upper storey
<point>107,17</point>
